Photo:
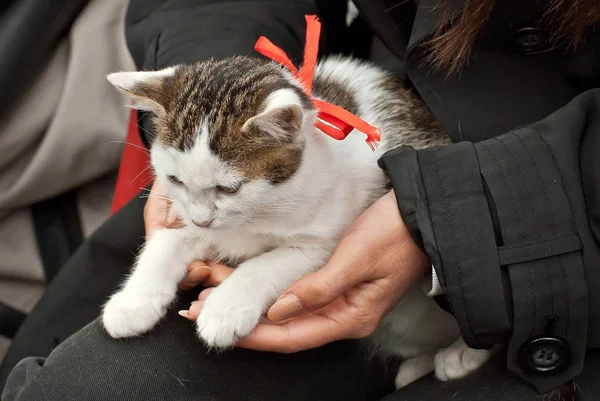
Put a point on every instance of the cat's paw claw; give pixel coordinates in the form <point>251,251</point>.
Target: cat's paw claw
<point>221,325</point>
<point>458,361</point>
<point>128,316</point>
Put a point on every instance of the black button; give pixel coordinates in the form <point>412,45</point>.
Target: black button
<point>530,40</point>
<point>547,355</point>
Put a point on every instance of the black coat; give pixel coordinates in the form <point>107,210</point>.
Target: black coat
<point>509,214</point>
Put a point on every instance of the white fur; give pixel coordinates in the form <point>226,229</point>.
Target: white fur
<point>127,81</point>
<point>459,360</point>
<point>279,233</point>
<point>413,369</point>
<point>282,98</point>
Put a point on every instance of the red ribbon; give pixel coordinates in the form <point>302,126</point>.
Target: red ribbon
<point>332,120</point>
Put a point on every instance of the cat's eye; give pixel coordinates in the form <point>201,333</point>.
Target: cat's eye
<point>174,180</point>
<point>228,190</point>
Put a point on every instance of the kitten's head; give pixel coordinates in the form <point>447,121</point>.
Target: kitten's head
<point>229,135</point>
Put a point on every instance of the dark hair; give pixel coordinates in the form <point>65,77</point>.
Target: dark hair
<point>565,392</point>
<point>452,42</point>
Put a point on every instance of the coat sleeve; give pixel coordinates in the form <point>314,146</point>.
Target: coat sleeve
<point>511,225</point>
<point>162,33</point>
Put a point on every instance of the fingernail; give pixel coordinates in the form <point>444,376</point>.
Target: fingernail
<point>285,308</point>
<point>185,314</point>
<point>199,273</point>
<point>204,294</point>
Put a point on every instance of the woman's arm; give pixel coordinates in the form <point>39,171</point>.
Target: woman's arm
<point>511,225</point>
<point>162,33</point>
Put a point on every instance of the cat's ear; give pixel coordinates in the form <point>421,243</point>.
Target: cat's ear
<point>146,89</point>
<point>282,123</point>
<point>281,119</point>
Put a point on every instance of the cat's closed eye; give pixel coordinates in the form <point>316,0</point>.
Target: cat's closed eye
<point>228,190</point>
<point>174,180</point>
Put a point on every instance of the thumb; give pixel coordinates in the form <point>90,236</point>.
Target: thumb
<point>317,290</point>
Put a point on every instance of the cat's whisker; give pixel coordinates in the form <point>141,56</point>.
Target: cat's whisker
<point>141,172</point>
<point>130,144</point>
<point>151,134</point>
<point>148,181</point>
<point>147,196</point>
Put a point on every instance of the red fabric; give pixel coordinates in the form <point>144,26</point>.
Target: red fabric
<point>332,120</point>
<point>133,171</point>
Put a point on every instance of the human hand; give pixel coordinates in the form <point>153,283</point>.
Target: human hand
<point>157,211</point>
<point>374,265</point>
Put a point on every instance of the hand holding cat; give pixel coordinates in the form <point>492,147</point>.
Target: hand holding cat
<point>375,264</point>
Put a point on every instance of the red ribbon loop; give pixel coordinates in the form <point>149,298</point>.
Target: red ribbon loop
<point>332,120</point>
<point>265,47</point>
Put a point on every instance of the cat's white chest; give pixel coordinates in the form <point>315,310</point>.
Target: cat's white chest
<point>233,246</point>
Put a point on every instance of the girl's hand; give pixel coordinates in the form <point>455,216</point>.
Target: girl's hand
<point>375,264</point>
<point>157,212</point>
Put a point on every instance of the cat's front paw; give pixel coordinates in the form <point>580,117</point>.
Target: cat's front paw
<point>226,317</point>
<point>413,369</point>
<point>459,360</point>
<point>126,315</point>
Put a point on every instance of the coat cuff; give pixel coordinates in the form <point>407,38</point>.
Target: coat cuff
<point>497,225</point>
<point>442,201</point>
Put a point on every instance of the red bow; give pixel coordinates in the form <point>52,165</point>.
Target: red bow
<point>332,120</point>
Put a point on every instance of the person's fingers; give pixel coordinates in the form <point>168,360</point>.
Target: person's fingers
<point>195,309</point>
<point>197,272</point>
<point>196,306</point>
<point>158,212</point>
<point>204,294</point>
<point>193,312</point>
<point>295,335</point>
<point>219,273</point>
<point>185,314</point>
<point>156,209</point>
<point>210,274</point>
<point>318,289</point>
<point>172,220</point>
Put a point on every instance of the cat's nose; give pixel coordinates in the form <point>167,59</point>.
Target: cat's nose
<point>203,224</point>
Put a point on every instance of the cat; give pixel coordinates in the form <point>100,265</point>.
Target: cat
<point>258,186</point>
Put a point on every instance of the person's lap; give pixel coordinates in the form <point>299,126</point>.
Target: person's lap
<point>170,363</point>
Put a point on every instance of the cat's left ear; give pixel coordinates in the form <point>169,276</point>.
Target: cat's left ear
<point>282,118</point>
<point>146,89</point>
<point>281,123</point>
